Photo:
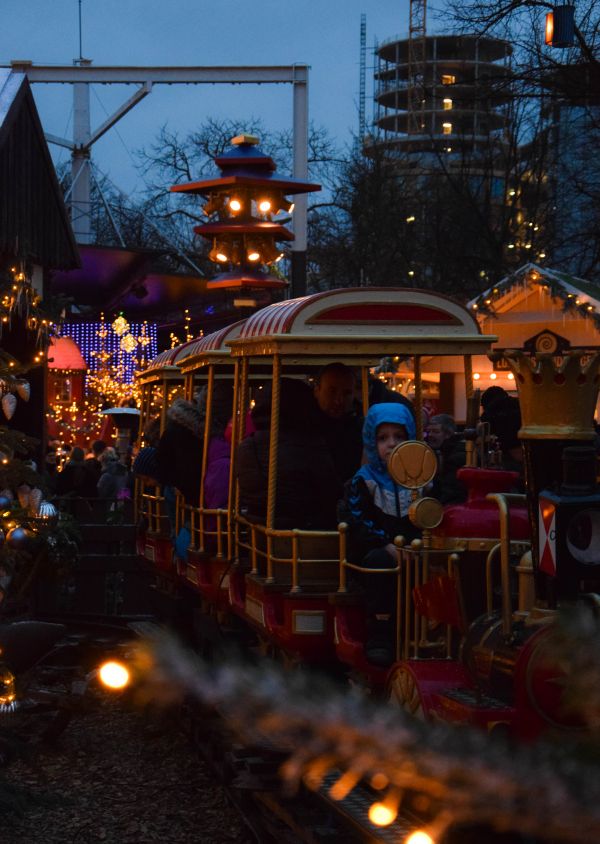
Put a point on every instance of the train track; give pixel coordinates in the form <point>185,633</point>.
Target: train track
<point>250,775</point>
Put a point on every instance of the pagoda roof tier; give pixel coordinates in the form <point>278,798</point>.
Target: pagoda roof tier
<point>243,280</point>
<point>254,227</point>
<point>247,179</point>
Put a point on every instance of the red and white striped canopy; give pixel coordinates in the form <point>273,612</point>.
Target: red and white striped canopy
<point>359,311</point>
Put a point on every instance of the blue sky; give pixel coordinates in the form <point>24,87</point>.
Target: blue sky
<point>325,35</point>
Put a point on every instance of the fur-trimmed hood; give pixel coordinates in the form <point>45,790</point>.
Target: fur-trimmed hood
<point>188,415</point>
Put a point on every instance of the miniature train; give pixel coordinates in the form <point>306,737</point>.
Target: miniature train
<point>481,588</point>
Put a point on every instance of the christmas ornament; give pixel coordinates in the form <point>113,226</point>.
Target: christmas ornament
<point>35,497</point>
<point>24,390</point>
<point>5,502</point>
<point>23,495</point>
<point>21,539</point>
<point>48,512</point>
<point>9,404</point>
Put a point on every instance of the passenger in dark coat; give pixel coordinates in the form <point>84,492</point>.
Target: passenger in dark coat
<point>180,449</point>
<point>338,425</point>
<point>503,414</point>
<point>451,455</point>
<point>307,484</point>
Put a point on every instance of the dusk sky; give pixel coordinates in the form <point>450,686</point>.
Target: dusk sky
<point>325,35</point>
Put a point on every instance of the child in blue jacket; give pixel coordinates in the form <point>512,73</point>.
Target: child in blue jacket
<point>375,509</point>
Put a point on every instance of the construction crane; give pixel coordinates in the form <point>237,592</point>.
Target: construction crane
<point>363,73</point>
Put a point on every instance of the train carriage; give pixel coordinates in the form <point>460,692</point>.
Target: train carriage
<point>286,583</point>
<point>161,383</point>
<point>205,570</point>
<point>475,635</point>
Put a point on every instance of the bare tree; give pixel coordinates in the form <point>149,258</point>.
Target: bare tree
<point>562,86</point>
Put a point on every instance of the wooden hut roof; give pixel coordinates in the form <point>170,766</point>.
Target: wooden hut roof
<point>34,224</point>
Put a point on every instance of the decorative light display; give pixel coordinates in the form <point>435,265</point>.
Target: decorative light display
<point>187,325</point>
<point>114,354</point>
<point>99,344</point>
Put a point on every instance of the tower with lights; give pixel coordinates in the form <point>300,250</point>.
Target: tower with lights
<point>246,209</point>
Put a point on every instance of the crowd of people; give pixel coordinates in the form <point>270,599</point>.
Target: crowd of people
<point>100,473</point>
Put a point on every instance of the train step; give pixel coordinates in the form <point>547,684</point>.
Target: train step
<point>146,629</point>
<point>466,705</point>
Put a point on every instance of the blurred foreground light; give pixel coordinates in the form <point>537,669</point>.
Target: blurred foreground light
<point>114,675</point>
<point>381,815</point>
<point>419,837</point>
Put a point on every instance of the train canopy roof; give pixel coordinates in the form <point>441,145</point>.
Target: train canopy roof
<point>211,348</point>
<point>165,364</point>
<point>363,322</point>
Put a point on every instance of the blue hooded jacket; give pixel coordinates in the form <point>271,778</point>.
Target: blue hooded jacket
<point>374,506</point>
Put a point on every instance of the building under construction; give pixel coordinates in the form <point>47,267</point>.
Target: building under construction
<point>440,94</point>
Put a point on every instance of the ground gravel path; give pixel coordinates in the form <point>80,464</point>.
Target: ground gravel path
<point>117,776</point>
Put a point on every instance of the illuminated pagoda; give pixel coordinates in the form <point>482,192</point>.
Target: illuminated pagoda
<point>246,209</point>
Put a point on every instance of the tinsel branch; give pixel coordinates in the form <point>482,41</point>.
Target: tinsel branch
<point>463,775</point>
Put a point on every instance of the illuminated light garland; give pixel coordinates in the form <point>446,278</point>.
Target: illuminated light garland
<point>551,283</point>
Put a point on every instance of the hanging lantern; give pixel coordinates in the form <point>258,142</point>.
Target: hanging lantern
<point>9,404</point>
<point>48,512</point>
<point>128,343</point>
<point>120,326</point>
<point>24,390</point>
<point>560,26</point>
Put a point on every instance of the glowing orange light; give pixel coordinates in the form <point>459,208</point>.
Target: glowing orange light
<point>235,205</point>
<point>381,815</point>
<point>419,837</point>
<point>476,376</point>
<point>549,31</point>
<point>493,376</point>
<point>114,675</point>
<point>264,205</point>
<point>511,377</point>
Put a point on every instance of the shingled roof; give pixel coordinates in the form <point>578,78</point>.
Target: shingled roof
<point>34,224</point>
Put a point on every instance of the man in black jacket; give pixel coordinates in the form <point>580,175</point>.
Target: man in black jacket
<point>340,428</point>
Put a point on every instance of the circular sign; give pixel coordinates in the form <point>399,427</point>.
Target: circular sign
<point>426,513</point>
<point>412,464</point>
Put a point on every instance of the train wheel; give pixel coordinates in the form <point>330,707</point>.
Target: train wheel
<point>402,692</point>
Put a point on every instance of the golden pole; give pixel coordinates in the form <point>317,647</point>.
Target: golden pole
<point>418,397</point>
<point>232,469</point>
<point>364,372</point>
<point>274,442</point>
